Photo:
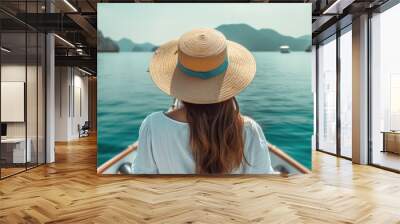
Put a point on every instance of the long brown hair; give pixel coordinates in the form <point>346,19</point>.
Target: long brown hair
<point>216,136</point>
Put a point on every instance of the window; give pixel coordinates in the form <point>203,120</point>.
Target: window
<point>22,79</point>
<point>346,93</point>
<point>385,89</point>
<point>327,96</point>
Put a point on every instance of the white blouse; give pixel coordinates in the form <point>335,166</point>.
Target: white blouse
<point>164,148</point>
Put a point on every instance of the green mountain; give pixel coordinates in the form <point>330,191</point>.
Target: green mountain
<point>253,39</point>
<point>144,47</point>
<point>263,39</point>
<point>126,44</point>
<point>105,44</point>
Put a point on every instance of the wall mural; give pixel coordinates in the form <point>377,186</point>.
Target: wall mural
<point>158,58</point>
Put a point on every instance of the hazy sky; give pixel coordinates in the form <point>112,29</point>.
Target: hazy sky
<point>158,23</point>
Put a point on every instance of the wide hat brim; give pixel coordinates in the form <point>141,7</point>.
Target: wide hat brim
<point>165,74</point>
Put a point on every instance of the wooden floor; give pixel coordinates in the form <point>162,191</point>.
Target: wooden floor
<point>69,191</point>
<point>10,171</point>
<point>387,159</point>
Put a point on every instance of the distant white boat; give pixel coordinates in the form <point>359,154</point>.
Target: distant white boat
<point>285,49</point>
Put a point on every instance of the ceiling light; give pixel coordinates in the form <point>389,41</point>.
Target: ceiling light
<point>79,51</point>
<point>84,71</point>
<point>5,50</point>
<point>333,6</point>
<point>338,6</point>
<point>65,41</point>
<point>70,5</point>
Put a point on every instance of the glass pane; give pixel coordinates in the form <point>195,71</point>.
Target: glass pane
<point>13,86</point>
<point>327,97</point>
<point>41,99</point>
<point>31,98</point>
<point>31,86</point>
<point>346,94</point>
<point>386,89</point>
<point>23,57</point>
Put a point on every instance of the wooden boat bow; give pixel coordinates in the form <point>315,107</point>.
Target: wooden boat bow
<point>278,152</point>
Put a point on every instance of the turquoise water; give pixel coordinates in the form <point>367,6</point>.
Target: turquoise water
<point>279,99</point>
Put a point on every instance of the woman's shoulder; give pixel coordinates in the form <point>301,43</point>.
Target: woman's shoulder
<point>154,116</point>
<point>159,118</point>
<point>251,127</point>
<point>250,122</point>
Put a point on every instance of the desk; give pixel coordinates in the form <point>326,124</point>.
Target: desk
<point>13,150</point>
<point>391,141</point>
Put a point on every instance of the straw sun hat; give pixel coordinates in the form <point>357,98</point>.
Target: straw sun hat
<point>202,67</point>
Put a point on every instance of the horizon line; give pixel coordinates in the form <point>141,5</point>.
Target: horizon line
<point>107,36</point>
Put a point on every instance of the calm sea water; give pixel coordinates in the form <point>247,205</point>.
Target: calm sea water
<point>279,99</point>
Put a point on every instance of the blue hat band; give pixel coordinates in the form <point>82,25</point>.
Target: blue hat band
<point>205,75</point>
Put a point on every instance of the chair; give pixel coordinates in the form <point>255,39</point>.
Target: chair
<point>84,130</point>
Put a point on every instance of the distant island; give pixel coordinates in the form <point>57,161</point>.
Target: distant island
<point>126,44</point>
<point>106,44</point>
<point>248,36</point>
<point>263,39</point>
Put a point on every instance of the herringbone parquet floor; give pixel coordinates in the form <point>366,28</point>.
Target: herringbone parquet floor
<point>69,191</point>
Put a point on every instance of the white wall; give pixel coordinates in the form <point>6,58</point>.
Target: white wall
<point>83,83</point>
<point>62,82</point>
<point>12,101</point>
<point>11,73</point>
<point>17,73</point>
<point>71,87</point>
